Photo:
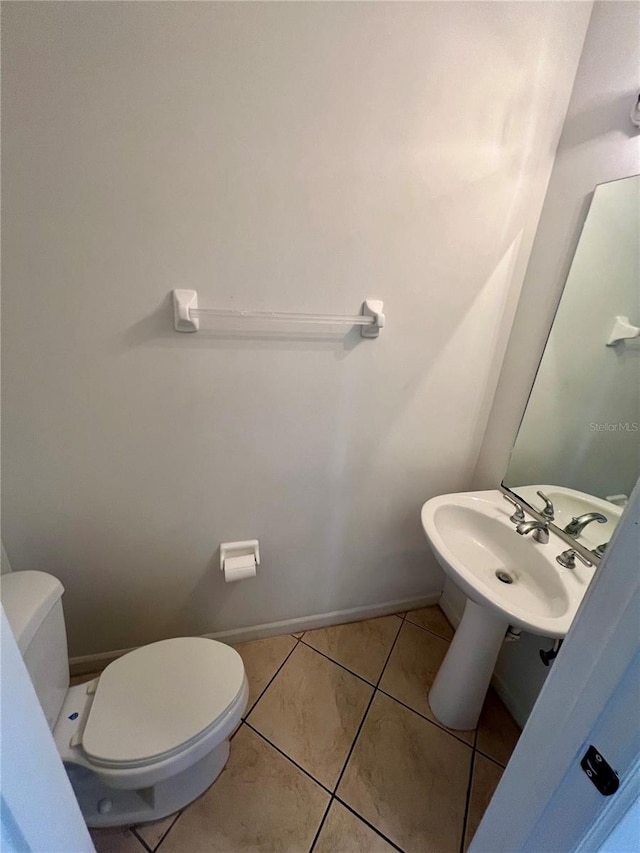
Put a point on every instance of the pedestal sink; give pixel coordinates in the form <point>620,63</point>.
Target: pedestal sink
<point>508,580</point>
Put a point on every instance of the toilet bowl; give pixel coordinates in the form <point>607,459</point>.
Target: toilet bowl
<point>147,736</point>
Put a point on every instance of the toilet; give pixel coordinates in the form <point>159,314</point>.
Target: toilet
<point>147,736</point>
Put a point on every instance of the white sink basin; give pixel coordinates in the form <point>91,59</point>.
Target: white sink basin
<point>474,541</point>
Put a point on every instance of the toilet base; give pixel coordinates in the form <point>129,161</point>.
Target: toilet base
<point>102,806</point>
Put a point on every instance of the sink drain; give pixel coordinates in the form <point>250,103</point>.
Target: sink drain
<point>504,577</point>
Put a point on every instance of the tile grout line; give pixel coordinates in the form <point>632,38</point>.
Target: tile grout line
<point>395,699</point>
<point>370,825</point>
<point>364,716</point>
<point>300,639</point>
<point>433,722</point>
<point>357,734</point>
<point>164,834</point>
<point>351,748</point>
<point>341,665</point>
<point>408,707</point>
<point>173,823</point>
<point>321,824</point>
<point>492,759</point>
<point>270,682</point>
<point>288,757</point>
<point>145,846</point>
<point>428,630</point>
<point>465,818</point>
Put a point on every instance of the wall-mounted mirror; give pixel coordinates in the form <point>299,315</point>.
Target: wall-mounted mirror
<point>579,440</point>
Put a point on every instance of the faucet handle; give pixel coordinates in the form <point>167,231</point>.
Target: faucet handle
<point>568,559</point>
<point>518,515</point>
<point>548,511</point>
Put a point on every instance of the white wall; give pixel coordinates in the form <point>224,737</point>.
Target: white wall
<point>598,144</point>
<point>272,156</point>
<point>5,565</point>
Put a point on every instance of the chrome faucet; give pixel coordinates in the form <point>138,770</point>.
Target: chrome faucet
<point>548,511</point>
<point>578,523</point>
<point>541,529</point>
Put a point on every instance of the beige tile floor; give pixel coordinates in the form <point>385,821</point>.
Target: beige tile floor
<point>339,752</point>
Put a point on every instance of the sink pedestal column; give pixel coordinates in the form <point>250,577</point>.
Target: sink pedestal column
<point>459,689</point>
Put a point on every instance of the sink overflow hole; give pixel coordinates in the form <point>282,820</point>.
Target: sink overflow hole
<point>505,577</point>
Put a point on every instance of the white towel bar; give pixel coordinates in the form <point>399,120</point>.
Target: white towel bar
<point>187,315</point>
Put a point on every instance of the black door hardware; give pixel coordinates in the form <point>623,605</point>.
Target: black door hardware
<point>601,774</point>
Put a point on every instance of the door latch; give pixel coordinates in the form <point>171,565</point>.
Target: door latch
<point>599,771</point>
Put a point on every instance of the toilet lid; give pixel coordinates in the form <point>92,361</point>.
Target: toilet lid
<point>154,701</point>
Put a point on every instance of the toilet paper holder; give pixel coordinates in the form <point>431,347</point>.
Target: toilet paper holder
<point>247,548</point>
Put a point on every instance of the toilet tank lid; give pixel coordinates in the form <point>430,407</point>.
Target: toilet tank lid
<point>27,598</point>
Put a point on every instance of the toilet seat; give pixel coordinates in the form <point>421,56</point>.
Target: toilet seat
<point>159,700</point>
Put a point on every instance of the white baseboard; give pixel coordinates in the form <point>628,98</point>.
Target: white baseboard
<point>93,663</point>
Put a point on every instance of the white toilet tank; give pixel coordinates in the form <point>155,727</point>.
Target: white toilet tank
<point>33,604</point>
